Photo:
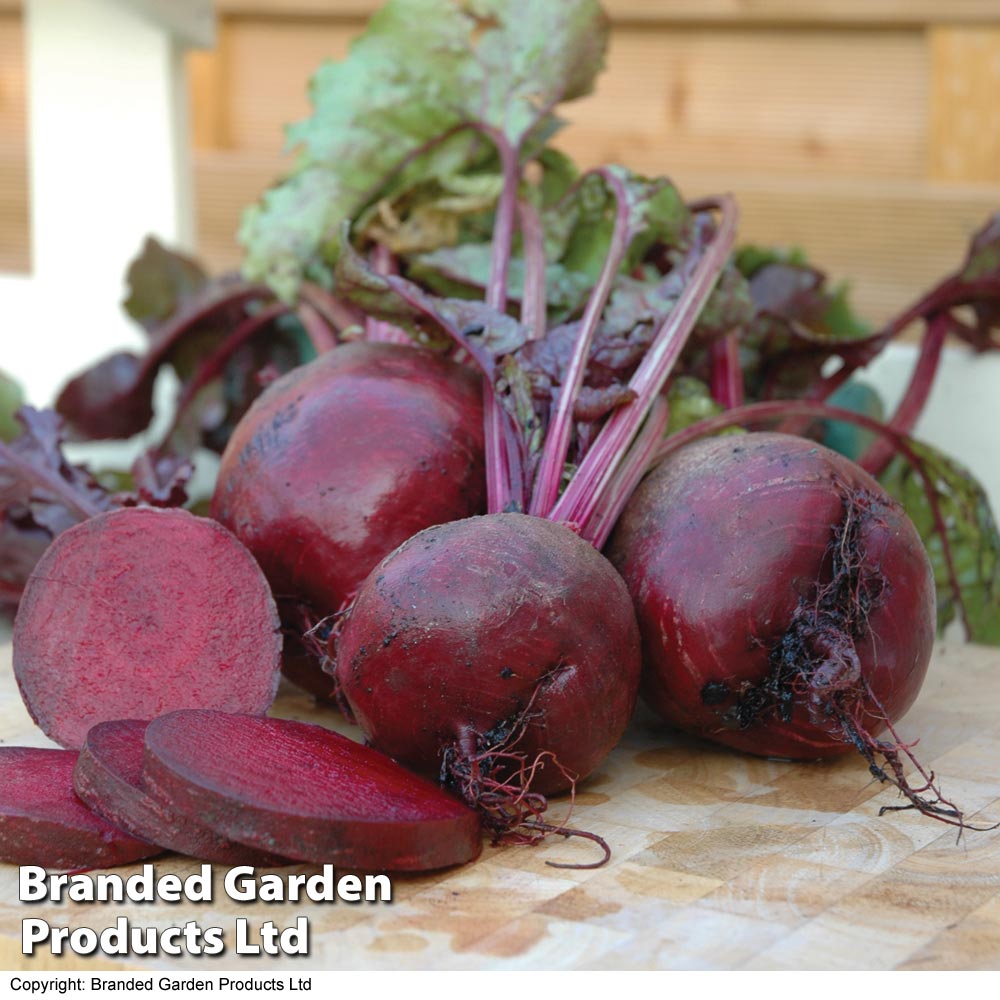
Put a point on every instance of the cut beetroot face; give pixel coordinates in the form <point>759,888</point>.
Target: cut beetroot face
<point>138,612</point>
<point>108,778</point>
<point>305,792</point>
<point>42,822</point>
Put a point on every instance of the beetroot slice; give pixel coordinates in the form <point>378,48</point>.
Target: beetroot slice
<point>305,792</point>
<point>138,612</point>
<point>42,822</point>
<point>108,777</point>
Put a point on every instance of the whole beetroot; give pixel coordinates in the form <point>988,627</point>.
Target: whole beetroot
<point>340,461</point>
<point>786,602</point>
<point>491,645</point>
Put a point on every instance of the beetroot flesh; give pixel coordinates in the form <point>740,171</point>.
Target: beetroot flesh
<point>785,600</point>
<point>42,822</point>
<point>141,611</point>
<point>341,460</point>
<point>482,647</point>
<point>306,793</point>
<point>108,778</point>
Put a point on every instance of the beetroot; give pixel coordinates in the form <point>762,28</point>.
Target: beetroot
<point>786,602</point>
<point>140,611</point>
<point>305,792</point>
<point>108,778</point>
<point>344,458</point>
<point>490,642</point>
<point>42,822</point>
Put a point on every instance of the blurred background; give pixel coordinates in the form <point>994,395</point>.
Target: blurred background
<point>865,131</point>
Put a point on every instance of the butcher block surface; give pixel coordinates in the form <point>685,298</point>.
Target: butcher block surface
<point>720,861</point>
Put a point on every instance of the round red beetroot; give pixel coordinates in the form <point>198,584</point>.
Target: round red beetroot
<point>341,460</point>
<point>499,631</point>
<point>784,598</point>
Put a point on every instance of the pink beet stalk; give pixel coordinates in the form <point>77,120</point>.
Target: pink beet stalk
<point>915,398</point>
<point>579,501</point>
<point>556,446</point>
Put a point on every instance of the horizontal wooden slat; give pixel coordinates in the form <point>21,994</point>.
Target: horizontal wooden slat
<point>14,251</point>
<point>791,101</point>
<point>800,101</point>
<point>892,239</point>
<point>868,12</point>
<point>964,141</point>
<point>857,12</point>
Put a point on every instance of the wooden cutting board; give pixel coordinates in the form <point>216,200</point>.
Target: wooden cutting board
<point>720,861</point>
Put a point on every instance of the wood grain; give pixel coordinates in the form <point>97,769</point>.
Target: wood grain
<point>835,12</point>
<point>14,250</point>
<point>964,142</point>
<point>720,861</point>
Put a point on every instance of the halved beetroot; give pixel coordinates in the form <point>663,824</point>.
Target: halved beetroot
<point>138,612</point>
<point>108,778</point>
<point>305,792</point>
<point>42,822</point>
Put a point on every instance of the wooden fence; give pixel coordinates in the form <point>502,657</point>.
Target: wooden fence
<point>866,131</point>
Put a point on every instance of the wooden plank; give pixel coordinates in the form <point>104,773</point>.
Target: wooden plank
<point>798,102</point>
<point>917,13</point>
<point>851,12</point>
<point>690,98</point>
<point>892,239</point>
<point>209,94</point>
<point>964,140</point>
<point>268,67</point>
<point>15,252</point>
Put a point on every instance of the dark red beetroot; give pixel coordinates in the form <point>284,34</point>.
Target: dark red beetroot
<point>343,459</point>
<point>785,600</point>
<point>108,778</point>
<point>140,611</point>
<point>42,822</point>
<point>488,643</point>
<point>305,792</point>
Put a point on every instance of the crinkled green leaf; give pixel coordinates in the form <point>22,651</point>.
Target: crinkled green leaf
<point>451,270</point>
<point>391,114</point>
<point>971,537</point>
<point>690,401</point>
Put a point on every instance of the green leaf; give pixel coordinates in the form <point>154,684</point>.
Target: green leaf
<point>971,536</point>
<point>451,270</point>
<point>11,400</point>
<point>690,401</point>
<point>160,281</point>
<point>392,112</point>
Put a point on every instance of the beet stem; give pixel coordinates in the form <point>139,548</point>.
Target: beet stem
<point>727,375</point>
<point>321,335</point>
<point>557,439</point>
<point>636,464</point>
<point>534,313</point>
<point>579,499</point>
<point>211,368</point>
<point>878,456</point>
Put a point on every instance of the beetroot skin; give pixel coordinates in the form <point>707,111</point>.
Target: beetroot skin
<point>504,632</point>
<point>140,611</point>
<point>42,822</point>
<point>341,460</point>
<point>305,792</point>
<point>785,600</point>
